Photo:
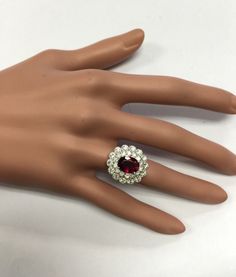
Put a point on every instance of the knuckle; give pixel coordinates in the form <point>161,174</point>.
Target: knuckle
<point>86,120</point>
<point>93,78</point>
<point>86,116</point>
<point>49,54</point>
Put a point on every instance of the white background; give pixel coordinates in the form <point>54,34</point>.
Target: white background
<point>45,235</point>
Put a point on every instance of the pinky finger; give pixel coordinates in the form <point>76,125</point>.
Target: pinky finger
<point>125,206</point>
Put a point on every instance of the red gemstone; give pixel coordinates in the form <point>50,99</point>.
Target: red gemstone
<point>128,164</point>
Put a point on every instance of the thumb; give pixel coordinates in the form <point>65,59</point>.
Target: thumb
<point>102,54</point>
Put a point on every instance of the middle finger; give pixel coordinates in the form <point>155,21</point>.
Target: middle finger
<point>169,90</point>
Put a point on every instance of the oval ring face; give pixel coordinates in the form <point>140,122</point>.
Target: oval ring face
<point>127,164</point>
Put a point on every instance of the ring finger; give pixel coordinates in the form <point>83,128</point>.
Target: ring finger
<point>174,182</point>
<point>161,177</point>
<point>172,138</point>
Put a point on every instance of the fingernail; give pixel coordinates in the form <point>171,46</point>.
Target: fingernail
<point>218,196</point>
<point>133,38</point>
<point>174,227</point>
<point>234,103</point>
<point>178,228</point>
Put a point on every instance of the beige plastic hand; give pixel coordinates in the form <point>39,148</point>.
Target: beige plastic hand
<point>60,116</point>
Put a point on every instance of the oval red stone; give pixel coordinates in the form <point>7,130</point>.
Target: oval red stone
<point>128,164</point>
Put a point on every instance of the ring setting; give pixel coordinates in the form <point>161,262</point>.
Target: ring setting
<point>127,164</point>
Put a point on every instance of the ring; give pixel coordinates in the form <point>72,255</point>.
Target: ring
<point>127,164</point>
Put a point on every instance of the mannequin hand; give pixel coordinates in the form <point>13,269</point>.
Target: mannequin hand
<point>61,116</point>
